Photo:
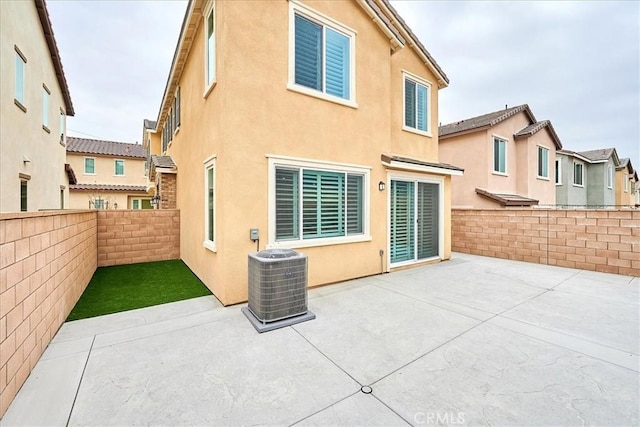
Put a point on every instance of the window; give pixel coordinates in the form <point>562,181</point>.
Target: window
<point>313,204</point>
<point>23,195</point>
<point>89,165</point>
<point>499,155</point>
<point>609,176</point>
<point>135,204</point>
<point>543,162</point>
<point>416,104</point>
<point>558,172</point>
<point>176,108</point>
<point>626,183</point>
<point>209,188</point>
<point>19,82</point>
<point>210,52</point>
<point>578,174</point>
<point>322,57</point>
<point>98,203</point>
<point>45,107</point>
<point>119,167</point>
<point>61,198</point>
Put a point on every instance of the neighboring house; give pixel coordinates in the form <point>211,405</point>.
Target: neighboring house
<point>587,178</point>
<point>314,122</point>
<point>34,104</point>
<point>626,178</point>
<point>508,157</point>
<point>106,175</point>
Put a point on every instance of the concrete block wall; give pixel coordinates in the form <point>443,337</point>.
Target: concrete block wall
<point>132,236</point>
<point>598,240</point>
<point>46,262</point>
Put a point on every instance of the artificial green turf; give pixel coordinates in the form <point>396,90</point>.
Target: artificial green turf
<point>127,287</point>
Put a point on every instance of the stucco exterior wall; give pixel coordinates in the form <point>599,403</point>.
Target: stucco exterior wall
<point>46,262</point>
<point>598,194</point>
<point>237,129</point>
<point>470,152</point>
<point>624,198</point>
<point>568,194</point>
<point>541,189</point>
<point>21,133</point>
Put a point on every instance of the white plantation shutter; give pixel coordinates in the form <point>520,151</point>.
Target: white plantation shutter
<point>402,221</point>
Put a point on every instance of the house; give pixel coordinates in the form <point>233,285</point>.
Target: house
<point>314,122</point>
<point>106,175</point>
<point>508,157</point>
<point>35,103</point>
<point>586,178</point>
<point>626,178</point>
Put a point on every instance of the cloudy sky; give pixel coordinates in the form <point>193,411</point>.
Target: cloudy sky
<point>575,63</point>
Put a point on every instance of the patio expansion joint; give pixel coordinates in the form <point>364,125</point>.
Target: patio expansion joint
<point>84,368</point>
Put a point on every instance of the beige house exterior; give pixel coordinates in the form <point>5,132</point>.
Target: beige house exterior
<point>106,175</point>
<point>34,104</point>
<point>314,123</point>
<point>508,157</point>
<point>626,184</point>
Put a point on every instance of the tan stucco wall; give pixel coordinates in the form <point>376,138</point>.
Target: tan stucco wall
<point>474,153</point>
<point>105,174</point>
<point>624,198</point>
<point>250,114</point>
<point>21,133</point>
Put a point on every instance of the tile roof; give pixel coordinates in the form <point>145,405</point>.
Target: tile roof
<point>506,199</point>
<point>70,174</point>
<point>386,158</point>
<point>535,127</point>
<point>601,154</point>
<point>106,148</point>
<point>485,120</point>
<point>150,124</point>
<point>108,187</point>
<point>47,28</point>
<point>162,162</point>
<point>625,162</point>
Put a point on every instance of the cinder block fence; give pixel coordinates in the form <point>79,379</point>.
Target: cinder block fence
<point>598,240</point>
<point>46,262</point>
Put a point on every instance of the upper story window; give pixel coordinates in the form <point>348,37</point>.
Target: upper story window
<point>416,104</point>
<point>176,109</point>
<point>558,172</point>
<point>543,162</point>
<point>626,183</point>
<point>63,125</point>
<point>21,63</point>
<point>321,56</point>
<point>119,167</point>
<point>23,195</point>
<point>578,174</point>
<point>609,176</point>
<point>89,166</point>
<point>499,155</point>
<point>209,207</point>
<point>210,48</point>
<point>46,94</point>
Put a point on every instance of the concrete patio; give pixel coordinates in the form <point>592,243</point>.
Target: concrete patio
<point>475,340</point>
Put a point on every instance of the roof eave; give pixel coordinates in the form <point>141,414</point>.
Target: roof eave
<point>47,29</point>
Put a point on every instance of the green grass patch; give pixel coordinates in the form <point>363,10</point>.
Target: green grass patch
<point>127,287</point>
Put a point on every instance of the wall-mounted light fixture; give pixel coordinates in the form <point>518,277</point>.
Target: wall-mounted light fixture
<point>155,200</point>
<point>25,159</point>
<point>381,185</point>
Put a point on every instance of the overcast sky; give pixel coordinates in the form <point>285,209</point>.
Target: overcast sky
<point>575,63</point>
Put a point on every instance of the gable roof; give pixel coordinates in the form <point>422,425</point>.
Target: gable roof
<point>47,29</point>
<point>601,155</point>
<point>149,124</point>
<point>625,162</point>
<point>484,121</point>
<point>381,12</point>
<point>536,127</point>
<point>105,148</point>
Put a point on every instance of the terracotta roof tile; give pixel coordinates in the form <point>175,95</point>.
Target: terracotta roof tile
<point>386,158</point>
<point>597,155</point>
<point>107,187</point>
<point>162,162</point>
<point>485,120</point>
<point>150,124</point>
<point>506,199</point>
<point>536,127</point>
<point>106,148</point>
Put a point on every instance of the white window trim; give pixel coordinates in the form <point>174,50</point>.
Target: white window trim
<point>506,156</point>
<point>413,177</point>
<point>124,170</point>
<point>46,101</point>
<point>422,81</point>
<point>546,178</point>
<point>208,86</point>
<point>302,9</point>
<point>285,161</point>
<point>84,165</point>
<point>22,101</point>
<point>610,177</point>
<point>210,162</point>
<point>574,174</point>
<point>558,166</point>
